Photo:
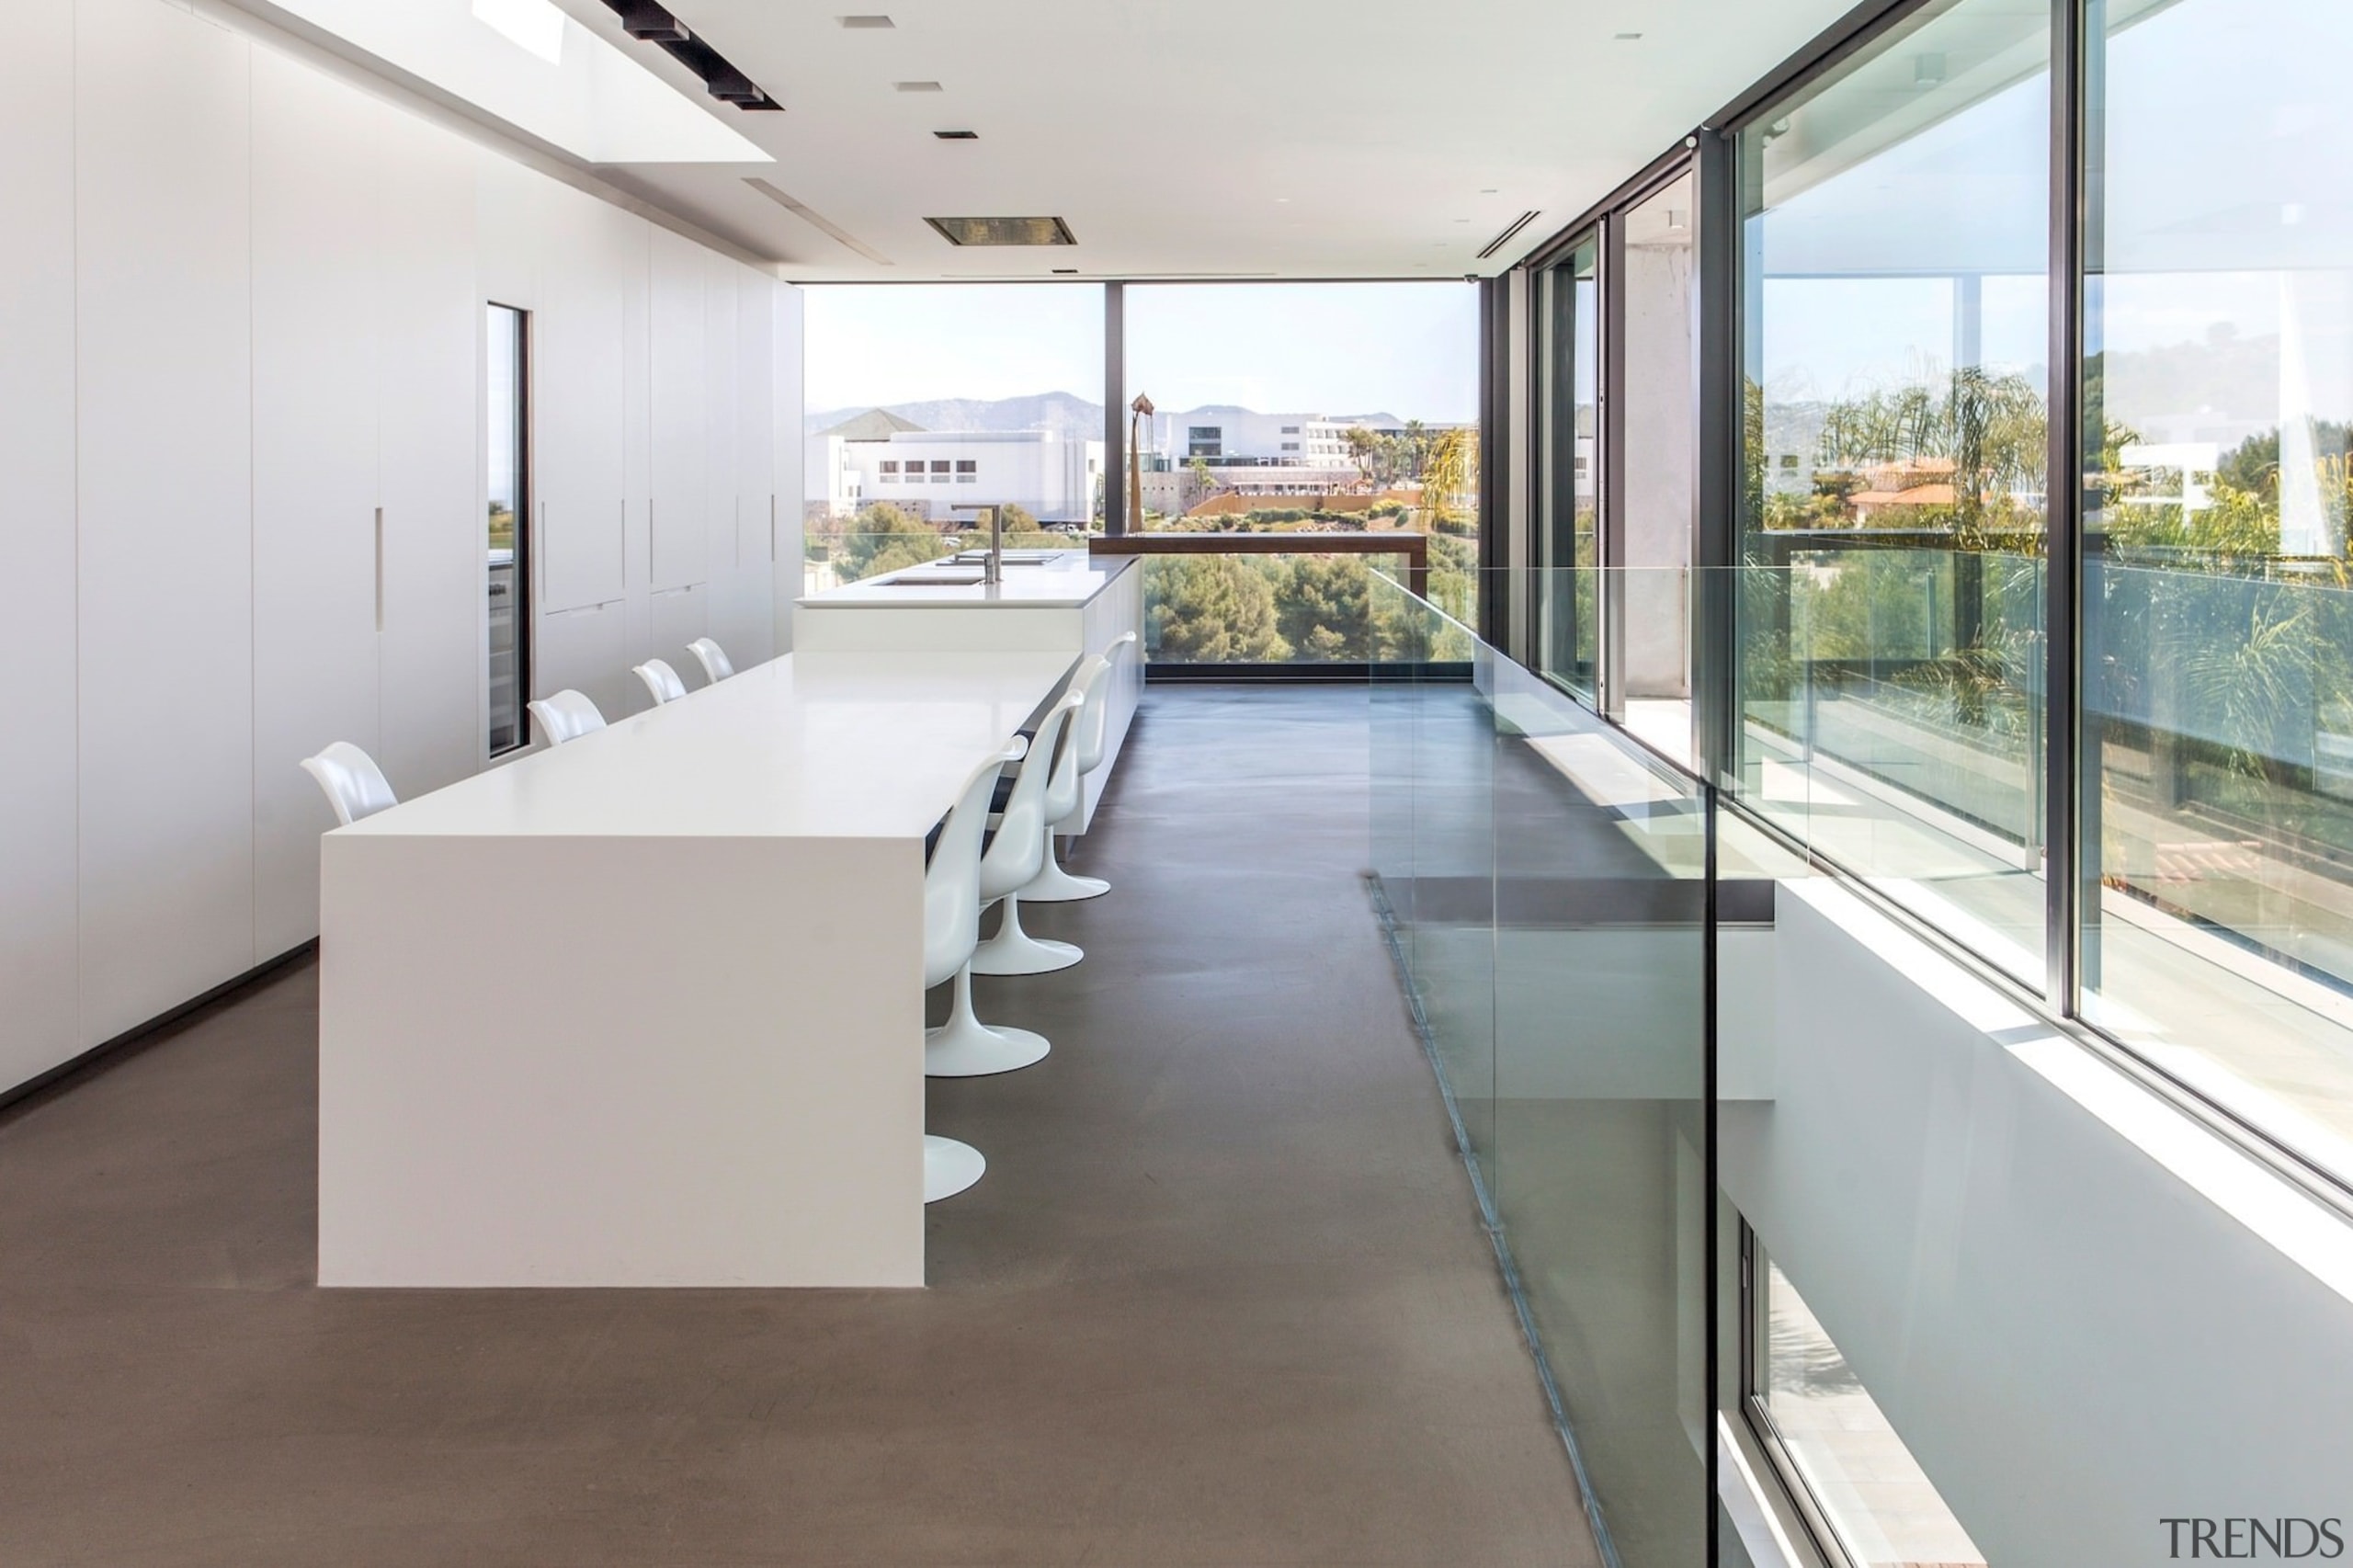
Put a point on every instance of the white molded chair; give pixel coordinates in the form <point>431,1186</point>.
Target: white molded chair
<point>354,786</point>
<point>964,1047</point>
<point>1055,885</point>
<point>1013,950</point>
<point>951,930</point>
<point>566,716</point>
<point>712,658</point>
<point>660,680</point>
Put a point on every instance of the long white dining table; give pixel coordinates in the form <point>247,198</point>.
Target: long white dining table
<point>646,1009</point>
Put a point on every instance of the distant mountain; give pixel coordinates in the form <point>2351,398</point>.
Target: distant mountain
<point>1064,413</point>
<point>1068,413</point>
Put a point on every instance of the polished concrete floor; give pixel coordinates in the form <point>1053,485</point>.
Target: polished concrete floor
<point>1220,1300</point>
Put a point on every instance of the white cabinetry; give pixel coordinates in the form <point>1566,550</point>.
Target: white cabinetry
<point>315,546</point>
<point>431,484</point>
<point>163,322</point>
<point>38,894</point>
<point>241,482</point>
<point>785,442</point>
<point>587,252</point>
<point>681,530</point>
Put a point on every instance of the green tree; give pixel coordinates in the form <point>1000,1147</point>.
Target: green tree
<point>1211,609</point>
<point>1324,607</point>
<point>884,539</point>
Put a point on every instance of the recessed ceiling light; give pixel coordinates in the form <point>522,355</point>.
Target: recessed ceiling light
<point>1004,231</point>
<point>917,87</point>
<point>866,21</point>
<point>958,135</point>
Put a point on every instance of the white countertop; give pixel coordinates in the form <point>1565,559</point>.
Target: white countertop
<point>1068,579</point>
<point>823,745</point>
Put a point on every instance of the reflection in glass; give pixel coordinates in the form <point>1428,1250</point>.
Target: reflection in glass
<point>1894,439</point>
<point>2218,591</point>
<point>507,443</point>
<point>1870,1490</point>
<point>1569,493</point>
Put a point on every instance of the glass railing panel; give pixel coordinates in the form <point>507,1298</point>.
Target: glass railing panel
<point>2218,826</point>
<point>1436,670</point>
<point>1557,919</point>
<point>1600,1048</point>
<point>1892,716</point>
<point>1252,608</point>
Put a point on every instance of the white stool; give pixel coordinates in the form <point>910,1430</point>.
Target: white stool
<point>660,680</point>
<point>354,786</point>
<point>1055,885</point>
<point>712,659</point>
<point>951,929</point>
<point>1013,950</point>
<point>964,1047</point>
<point>566,716</point>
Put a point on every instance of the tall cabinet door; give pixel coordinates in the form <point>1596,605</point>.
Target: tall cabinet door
<point>579,407</point>
<point>789,448</point>
<point>162,317</point>
<point>681,525</point>
<point>747,607</point>
<point>430,426</point>
<point>719,393</point>
<point>316,152</point>
<point>37,791</point>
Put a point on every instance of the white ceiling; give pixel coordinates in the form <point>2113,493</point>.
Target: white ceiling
<point>1341,138</point>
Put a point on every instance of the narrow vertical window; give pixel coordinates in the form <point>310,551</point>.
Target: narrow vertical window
<point>506,560</point>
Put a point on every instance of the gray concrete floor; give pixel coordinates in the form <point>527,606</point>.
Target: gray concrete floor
<point>1220,1300</point>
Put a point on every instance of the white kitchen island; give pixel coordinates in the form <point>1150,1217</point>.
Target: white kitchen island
<point>646,1009</point>
<point>1062,601</point>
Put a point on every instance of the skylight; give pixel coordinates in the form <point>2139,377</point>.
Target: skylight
<point>526,64</point>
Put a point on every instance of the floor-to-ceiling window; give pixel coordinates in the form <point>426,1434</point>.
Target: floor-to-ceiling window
<point>928,403</point>
<point>1300,409</point>
<point>1893,311</point>
<point>2217,647</point>
<point>1568,535</point>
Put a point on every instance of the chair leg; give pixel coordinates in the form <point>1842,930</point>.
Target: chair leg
<point>966,1047</point>
<point>948,1167</point>
<point>1055,885</point>
<point>1013,952</point>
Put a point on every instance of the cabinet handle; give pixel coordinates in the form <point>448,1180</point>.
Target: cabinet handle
<point>380,569</point>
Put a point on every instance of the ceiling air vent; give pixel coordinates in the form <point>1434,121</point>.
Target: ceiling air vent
<point>958,135</point>
<point>1514,226</point>
<point>1002,230</point>
<point>866,21</point>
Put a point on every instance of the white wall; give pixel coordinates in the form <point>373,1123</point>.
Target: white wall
<point>2081,1312</point>
<point>241,482</point>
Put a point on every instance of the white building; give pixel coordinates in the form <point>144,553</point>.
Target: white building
<point>1244,437</point>
<point>930,472</point>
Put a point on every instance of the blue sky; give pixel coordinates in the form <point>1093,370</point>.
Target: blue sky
<point>1410,349</point>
